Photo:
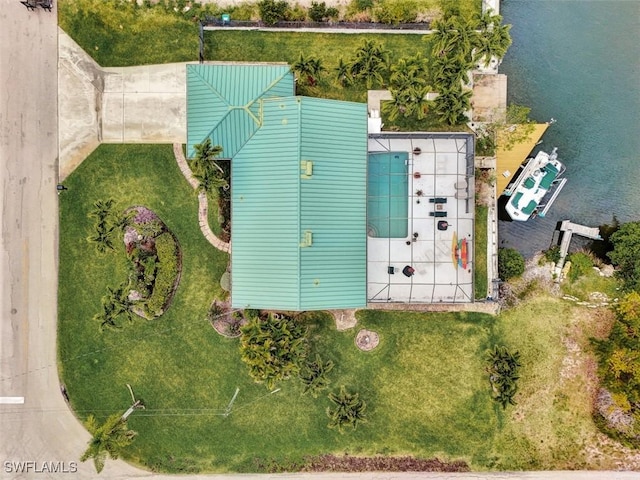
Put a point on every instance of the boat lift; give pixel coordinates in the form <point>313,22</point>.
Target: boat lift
<point>33,4</point>
<point>545,208</point>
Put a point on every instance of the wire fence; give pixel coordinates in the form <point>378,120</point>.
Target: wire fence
<point>216,22</point>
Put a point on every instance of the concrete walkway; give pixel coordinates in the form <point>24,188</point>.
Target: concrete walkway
<point>203,204</point>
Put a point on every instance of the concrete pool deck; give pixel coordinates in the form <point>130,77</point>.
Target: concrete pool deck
<point>445,164</point>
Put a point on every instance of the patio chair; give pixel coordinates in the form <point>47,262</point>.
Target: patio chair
<point>437,214</point>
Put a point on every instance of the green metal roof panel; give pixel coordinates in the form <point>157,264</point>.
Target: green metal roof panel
<point>265,212</point>
<point>272,207</point>
<point>215,91</point>
<point>233,131</point>
<point>333,204</point>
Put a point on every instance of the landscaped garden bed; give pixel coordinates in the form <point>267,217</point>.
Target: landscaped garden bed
<point>155,262</point>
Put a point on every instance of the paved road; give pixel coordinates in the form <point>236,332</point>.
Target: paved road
<point>42,429</point>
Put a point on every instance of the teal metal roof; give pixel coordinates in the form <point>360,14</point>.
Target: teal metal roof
<point>223,101</point>
<point>298,228</point>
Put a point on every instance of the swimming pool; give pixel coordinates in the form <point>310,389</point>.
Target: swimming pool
<point>388,195</point>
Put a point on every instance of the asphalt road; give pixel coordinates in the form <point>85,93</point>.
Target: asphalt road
<point>42,434</point>
<point>42,429</point>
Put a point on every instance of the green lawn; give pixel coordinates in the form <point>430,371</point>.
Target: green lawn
<point>245,46</point>
<point>425,384</point>
<point>421,399</point>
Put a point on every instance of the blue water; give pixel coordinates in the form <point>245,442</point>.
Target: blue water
<point>388,195</point>
<point>579,62</point>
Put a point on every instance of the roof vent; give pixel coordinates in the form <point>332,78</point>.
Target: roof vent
<point>307,239</point>
<point>307,169</point>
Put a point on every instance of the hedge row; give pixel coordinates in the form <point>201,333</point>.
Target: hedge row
<point>166,274</point>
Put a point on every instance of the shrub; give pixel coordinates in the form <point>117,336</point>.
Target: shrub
<point>510,263</point>
<point>360,5</point>
<point>314,376</point>
<point>166,273</point>
<point>295,14</point>
<point>332,13</point>
<point>503,374</point>
<point>396,11</point>
<point>619,371</point>
<point>581,264</point>
<point>348,410</point>
<point>553,254</point>
<point>626,254</point>
<point>272,11</point>
<point>243,11</point>
<point>273,348</point>
<point>318,11</point>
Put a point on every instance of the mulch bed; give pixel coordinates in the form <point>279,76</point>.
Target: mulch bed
<point>227,325</point>
<point>346,463</point>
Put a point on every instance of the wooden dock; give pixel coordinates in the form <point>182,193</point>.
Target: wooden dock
<point>568,229</point>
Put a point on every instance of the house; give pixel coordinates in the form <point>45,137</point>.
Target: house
<point>324,215</point>
<point>298,186</point>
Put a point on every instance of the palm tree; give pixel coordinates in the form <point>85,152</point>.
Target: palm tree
<point>370,63</point>
<point>450,71</point>
<point>109,439</point>
<point>307,69</point>
<point>349,410</point>
<point>487,20</point>
<point>398,106</point>
<point>206,169</point>
<point>101,209</point>
<point>102,237</point>
<point>343,73</point>
<point>106,316</point>
<point>119,298</point>
<point>314,376</point>
<point>442,40</point>
<point>492,42</point>
<point>451,105</point>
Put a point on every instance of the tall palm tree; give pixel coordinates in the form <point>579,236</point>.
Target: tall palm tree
<point>370,63</point>
<point>307,69</point>
<point>451,105</point>
<point>109,439</point>
<point>492,42</point>
<point>205,167</point>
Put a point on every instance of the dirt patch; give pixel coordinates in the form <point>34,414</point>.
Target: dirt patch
<point>485,181</point>
<point>345,319</point>
<point>346,463</point>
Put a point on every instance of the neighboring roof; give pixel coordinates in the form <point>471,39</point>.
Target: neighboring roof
<point>222,101</point>
<point>510,160</point>
<point>280,204</point>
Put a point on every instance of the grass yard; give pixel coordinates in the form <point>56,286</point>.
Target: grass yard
<point>425,384</point>
<point>243,46</point>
